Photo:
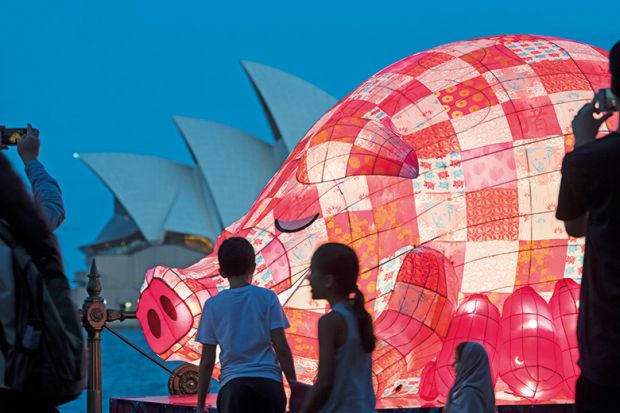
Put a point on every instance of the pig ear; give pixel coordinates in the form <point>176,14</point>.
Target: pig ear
<point>353,143</point>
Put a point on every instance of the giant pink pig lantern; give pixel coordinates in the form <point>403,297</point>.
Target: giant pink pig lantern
<point>442,172</point>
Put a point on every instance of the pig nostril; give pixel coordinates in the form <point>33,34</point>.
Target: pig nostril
<point>154,323</point>
<point>168,307</point>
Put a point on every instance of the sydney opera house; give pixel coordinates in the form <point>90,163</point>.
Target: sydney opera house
<point>168,213</point>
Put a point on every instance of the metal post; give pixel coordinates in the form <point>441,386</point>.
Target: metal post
<point>94,319</point>
<point>95,316</point>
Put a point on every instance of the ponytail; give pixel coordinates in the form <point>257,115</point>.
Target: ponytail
<point>364,321</point>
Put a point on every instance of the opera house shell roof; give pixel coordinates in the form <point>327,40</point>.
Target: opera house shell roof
<point>156,198</point>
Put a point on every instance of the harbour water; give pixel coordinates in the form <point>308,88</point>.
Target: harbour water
<point>126,373</point>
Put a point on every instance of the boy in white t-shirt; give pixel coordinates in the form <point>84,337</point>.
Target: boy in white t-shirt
<point>248,323</point>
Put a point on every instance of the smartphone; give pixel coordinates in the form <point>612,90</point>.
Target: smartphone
<point>607,101</point>
<point>10,136</point>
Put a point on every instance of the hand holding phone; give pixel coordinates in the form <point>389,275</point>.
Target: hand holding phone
<point>588,121</point>
<point>29,145</point>
<point>606,101</point>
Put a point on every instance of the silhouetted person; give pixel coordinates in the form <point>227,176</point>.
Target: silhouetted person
<point>346,336</point>
<point>248,323</point>
<point>30,230</point>
<point>589,204</point>
<point>472,391</point>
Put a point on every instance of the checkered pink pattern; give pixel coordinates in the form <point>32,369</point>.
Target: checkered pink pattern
<point>442,172</point>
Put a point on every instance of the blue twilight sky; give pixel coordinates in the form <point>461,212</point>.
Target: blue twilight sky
<point>108,75</point>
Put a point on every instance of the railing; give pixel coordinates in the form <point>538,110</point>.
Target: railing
<point>95,317</point>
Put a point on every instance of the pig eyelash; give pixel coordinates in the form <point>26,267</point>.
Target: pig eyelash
<point>296,225</point>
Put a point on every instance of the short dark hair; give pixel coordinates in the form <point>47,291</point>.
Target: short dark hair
<point>236,257</point>
<point>614,68</point>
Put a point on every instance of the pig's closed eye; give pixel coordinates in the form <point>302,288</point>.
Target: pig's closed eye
<point>296,225</point>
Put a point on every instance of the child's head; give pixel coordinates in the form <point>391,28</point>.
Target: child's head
<point>236,258</point>
<point>333,272</point>
<point>334,267</point>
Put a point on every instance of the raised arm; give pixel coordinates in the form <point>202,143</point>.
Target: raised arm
<point>47,194</point>
<point>46,191</point>
<point>572,203</point>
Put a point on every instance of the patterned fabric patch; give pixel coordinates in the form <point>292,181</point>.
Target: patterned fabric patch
<point>473,95</point>
<point>541,264</point>
<point>493,214</point>
<point>536,51</point>
<point>492,58</point>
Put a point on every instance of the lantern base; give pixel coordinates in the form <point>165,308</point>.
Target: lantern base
<point>187,404</point>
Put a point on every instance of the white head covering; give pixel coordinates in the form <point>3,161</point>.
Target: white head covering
<point>473,387</point>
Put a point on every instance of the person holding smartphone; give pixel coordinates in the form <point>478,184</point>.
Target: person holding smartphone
<point>589,205</point>
<point>45,189</point>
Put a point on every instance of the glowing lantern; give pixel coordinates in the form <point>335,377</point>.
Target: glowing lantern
<point>565,308</point>
<point>442,172</point>
<point>420,306</point>
<point>530,362</point>
<point>476,320</point>
<point>428,385</point>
